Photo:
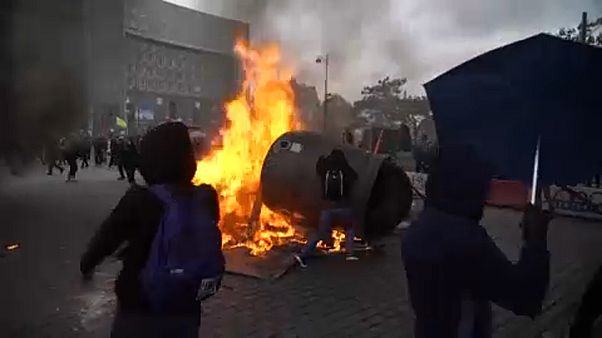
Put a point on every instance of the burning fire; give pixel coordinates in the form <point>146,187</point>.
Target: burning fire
<point>262,111</point>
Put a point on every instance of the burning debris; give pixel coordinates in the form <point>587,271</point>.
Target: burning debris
<point>262,111</point>
<point>12,247</point>
<point>9,248</point>
<point>263,126</point>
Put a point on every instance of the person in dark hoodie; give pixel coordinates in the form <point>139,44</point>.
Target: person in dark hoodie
<point>70,153</point>
<point>337,180</point>
<point>85,147</point>
<point>454,268</point>
<point>129,158</point>
<point>167,160</point>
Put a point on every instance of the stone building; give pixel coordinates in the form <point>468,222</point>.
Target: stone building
<point>151,61</point>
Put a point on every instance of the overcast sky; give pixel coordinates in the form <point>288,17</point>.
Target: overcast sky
<point>417,39</point>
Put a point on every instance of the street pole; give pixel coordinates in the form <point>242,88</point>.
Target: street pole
<point>583,28</point>
<point>325,94</point>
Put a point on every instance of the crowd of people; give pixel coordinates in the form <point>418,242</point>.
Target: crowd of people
<point>172,259</point>
<point>114,151</point>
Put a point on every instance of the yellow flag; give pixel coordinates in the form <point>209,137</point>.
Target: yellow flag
<point>121,122</point>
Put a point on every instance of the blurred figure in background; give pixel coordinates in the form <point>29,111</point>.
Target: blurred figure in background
<point>52,156</point>
<point>423,154</point>
<point>70,153</point>
<point>85,144</point>
<point>129,158</point>
<point>112,151</point>
<point>116,155</point>
<point>348,137</point>
<point>100,145</point>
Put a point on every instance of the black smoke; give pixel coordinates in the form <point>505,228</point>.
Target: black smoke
<point>43,79</point>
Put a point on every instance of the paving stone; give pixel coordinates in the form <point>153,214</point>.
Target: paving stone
<point>331,298</point>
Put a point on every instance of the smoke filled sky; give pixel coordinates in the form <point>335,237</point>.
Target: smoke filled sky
<point>369,39</point>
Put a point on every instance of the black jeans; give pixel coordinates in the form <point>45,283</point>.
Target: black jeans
<point>72,161</point>
<point>130,325</point>
<point>98,157</point>
<point>121,168</point>
<point>130,171</point>
<point>85,163</point>
<point>112,160</point>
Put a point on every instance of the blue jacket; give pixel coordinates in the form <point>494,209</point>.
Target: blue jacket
<point>454,270</point>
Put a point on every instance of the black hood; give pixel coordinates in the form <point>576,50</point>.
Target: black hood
<point>166,155</point>
<point>459,182</point>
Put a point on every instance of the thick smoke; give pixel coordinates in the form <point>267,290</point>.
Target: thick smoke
<point>364,40</point>
<point>368,40</point>
<point>43,97</point>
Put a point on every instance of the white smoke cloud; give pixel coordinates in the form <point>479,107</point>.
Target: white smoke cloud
<point>369,39</point>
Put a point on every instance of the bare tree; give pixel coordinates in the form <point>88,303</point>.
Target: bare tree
<point>388,97</point>
<point>593,33</point>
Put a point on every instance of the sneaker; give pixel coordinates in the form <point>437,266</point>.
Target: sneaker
<point>351,258</point>
<point>300,260</point>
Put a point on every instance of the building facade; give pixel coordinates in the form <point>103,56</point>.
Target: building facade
<point>152,61</point>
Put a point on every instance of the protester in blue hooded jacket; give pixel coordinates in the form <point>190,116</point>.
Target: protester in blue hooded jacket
<point>454,268</point>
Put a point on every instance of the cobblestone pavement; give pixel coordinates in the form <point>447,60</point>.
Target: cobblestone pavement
<point>42,295</point>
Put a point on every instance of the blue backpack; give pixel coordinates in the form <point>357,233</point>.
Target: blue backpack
<point>185,262</point>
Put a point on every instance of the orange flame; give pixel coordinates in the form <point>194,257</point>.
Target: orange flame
<point>338,238</point>
<point>262,111</point>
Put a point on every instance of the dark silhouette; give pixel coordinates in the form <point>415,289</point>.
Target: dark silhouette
<point>454,269</point>
<point>52,155</point>
<point>590,309</point>
<point>70,153</point>
<point>337,179</point>
<point>129,158</point>
<point>167,164</point>
<point>85,147</point>
<point>117,154</point>
<point>100,145</point>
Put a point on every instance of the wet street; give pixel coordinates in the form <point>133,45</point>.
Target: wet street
<point>41,293</point>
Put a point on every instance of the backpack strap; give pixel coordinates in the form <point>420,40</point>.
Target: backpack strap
<point>162,192</point>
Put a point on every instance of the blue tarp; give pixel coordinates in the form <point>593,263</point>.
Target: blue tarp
<point>503,100</point>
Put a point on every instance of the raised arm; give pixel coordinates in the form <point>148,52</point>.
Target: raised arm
<point>519,287</point>
<point>111,234</point>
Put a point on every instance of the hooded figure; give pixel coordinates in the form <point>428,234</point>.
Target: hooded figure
<point>129,158</point>
<point>337,160</point>
<point>454,269</point>
<point>166,158</point>
<point>337,207</point>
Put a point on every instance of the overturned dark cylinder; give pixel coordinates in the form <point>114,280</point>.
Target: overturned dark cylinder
<point>382,195</point>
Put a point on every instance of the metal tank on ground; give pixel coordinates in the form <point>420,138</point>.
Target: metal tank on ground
<point>382,195</point>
